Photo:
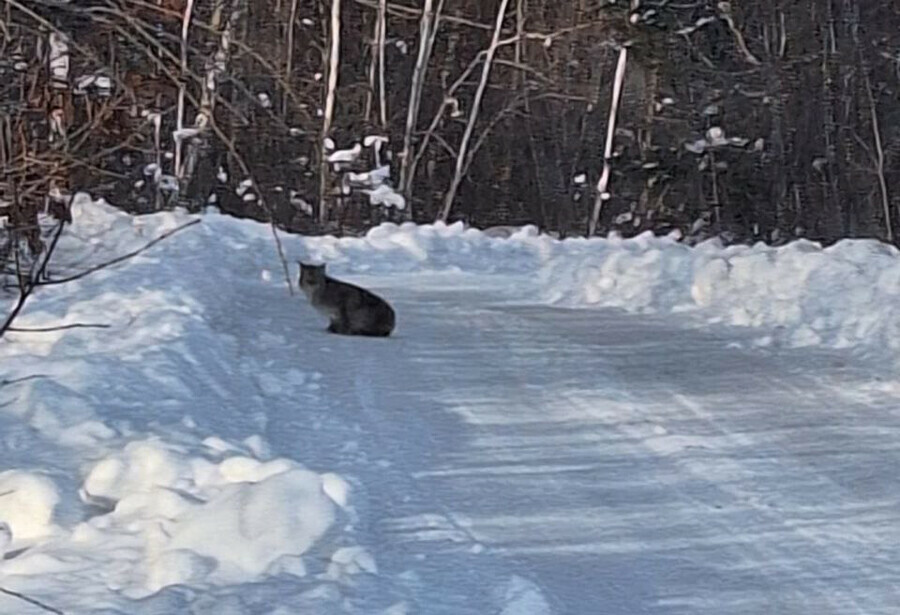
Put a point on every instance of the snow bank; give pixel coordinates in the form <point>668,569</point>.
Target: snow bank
<point>408,248</point>
<point>136,470</point>
<point>164,516</point>
<point>841,296</point>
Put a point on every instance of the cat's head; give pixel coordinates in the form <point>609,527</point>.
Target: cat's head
<point>311,275</point>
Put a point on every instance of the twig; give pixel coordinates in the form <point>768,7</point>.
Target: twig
<point>263,202</point>
<point>382,90</point>
<point>725,14</point>
<point>26,287</point>
<point>411,13</point>
<point>123,257</point>
<point>31,601</point>
<point>289,64</point>
<point>9,381</point>
<point>372,70</point>
<point>520,98</point>
<point>76,325</point>
<point>879,158</point>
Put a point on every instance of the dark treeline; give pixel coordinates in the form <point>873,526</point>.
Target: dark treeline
<point>755,120</point>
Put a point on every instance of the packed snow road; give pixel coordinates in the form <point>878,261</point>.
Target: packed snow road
<point>215,451</point>
<point>619,464</point>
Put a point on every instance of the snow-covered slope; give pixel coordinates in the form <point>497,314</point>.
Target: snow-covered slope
<point>132,455</point>
<point>194,450</point>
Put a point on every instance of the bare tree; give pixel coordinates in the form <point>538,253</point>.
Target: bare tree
<point>333,68</point>
<point>603,182</point>
<point>473,113</point>
<point>428,26</point>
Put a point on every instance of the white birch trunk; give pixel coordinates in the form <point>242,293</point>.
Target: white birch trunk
<point>179,116</point>
<point>602,185</point>
<point>427,25</point>
<point>334,60</point>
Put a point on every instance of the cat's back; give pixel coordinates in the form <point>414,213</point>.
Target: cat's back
<point>367,311</point>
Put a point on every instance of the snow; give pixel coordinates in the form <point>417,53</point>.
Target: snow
<point>800,293</point>
<point>345,155</point>
<point>29,500</point>
<point>387,196</point>
<point>185,133</point>
<point>375,141</point>
<point>102,84</point>
<point>555,426</point>
<point>59,60</point>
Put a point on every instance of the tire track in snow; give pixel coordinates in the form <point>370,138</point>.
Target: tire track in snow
<point>709,506</point>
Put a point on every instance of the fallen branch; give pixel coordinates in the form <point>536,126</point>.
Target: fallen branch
<point>76,325</point>
<point>7,382</point>
<point>31,601</point>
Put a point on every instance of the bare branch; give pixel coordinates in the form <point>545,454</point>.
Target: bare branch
<point>473,114</point>
<point>76,325</point>
<point>31,601</point>
<point>122,258</point>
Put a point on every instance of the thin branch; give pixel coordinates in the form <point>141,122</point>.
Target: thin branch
<point>725,14</point>
<point>382,90</point>
<point>123,257</point>
<point>245,168</point>
<point>31,601</point>
<point>879,160</point>
<point>289,65</point>
<point>406,12</point>
<point>76,325</point>
<point>473,113</point>
<point>520,99</point>
<point>28,284</point>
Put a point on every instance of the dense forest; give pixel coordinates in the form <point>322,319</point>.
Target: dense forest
<point>763,120</point>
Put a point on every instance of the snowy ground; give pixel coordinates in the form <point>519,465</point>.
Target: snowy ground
<point>214,451</point>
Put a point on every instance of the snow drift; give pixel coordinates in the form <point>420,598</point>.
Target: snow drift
<point>164,517</point>
<point>799,294</point>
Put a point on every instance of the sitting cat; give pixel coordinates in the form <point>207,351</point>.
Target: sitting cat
<point>351,309</point>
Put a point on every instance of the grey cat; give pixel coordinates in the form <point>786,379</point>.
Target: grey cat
<point>351,309</point>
